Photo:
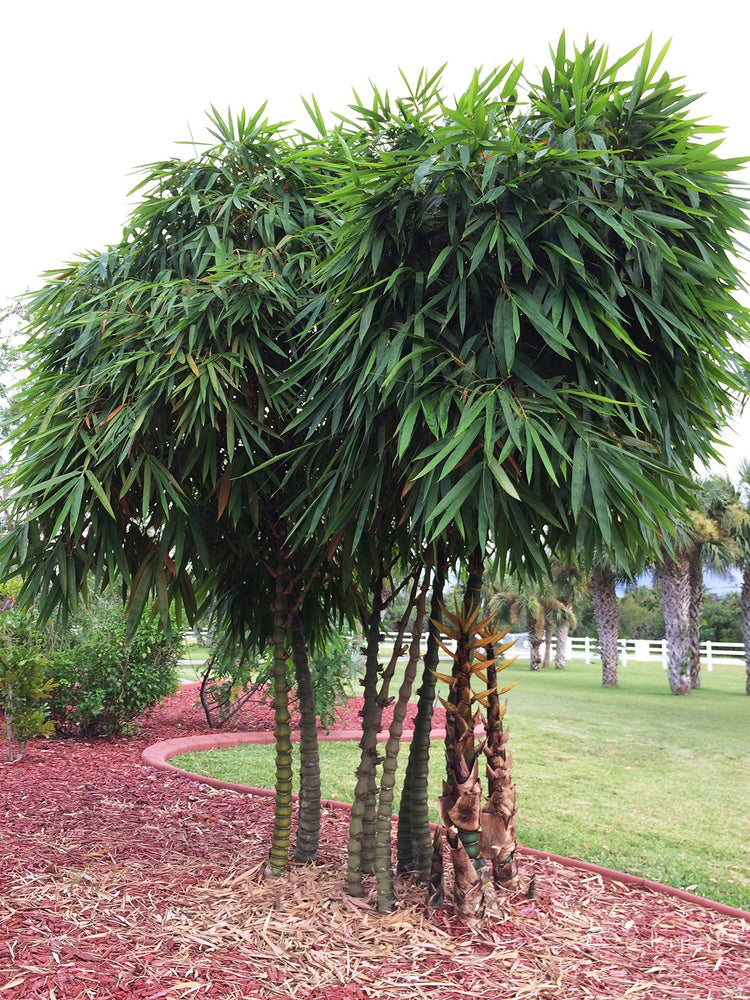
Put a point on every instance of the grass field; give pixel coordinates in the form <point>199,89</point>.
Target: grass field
<point>192,661</point>
<point>631,778</point>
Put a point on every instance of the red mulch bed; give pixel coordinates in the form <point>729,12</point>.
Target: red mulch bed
<point>118,881</point>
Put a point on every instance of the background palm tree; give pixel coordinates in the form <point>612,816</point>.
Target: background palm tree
<point>602,586</point>
<point>707,537</point>
<point>537,606</point>
<point>523,603</point>
<point>743,546</point>
<point>570,586</point>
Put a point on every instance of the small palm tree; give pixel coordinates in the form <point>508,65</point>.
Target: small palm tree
<point>476,832</point>
<point>534,606</point>
<point>569,582</point>
<point>707,536</point>
<point>743,545</point>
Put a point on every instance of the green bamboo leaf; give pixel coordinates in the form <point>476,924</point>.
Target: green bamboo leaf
<point>139,591</point>
<point>490,432</point>
<point>486,509</point>
<point>146,490</point>
<point>504,331</point>
<point>230,438</point>
<point>439,262</point>
<point>76,498</point>
<point>187,593</point>
<point>62,567</point>
<point>554,337</point>
<point>406,425</point>
<point>599,497</point>
<point>99,490</point>
<point>449,508</point>
<point>578,477</point>
<point>451,453</point>
<point>430,416</point>
<point>421,173</point>
<point>162,597</point>
<point>72,587</point>
<point>501,477</point>
<point>366,316</point>
<point>478,254</point>
<point>536,445</point>
<point>662,220</point>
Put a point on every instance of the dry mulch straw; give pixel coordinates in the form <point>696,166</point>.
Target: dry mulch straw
<point>118,882</point>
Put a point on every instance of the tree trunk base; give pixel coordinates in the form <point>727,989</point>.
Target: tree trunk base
<point>683,686</point>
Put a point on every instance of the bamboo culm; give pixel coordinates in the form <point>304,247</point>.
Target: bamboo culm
<point>414,840</point>
<point>383,859</point>
<point>362,818</point>
<point>308,826</point>
<point>282,820</point>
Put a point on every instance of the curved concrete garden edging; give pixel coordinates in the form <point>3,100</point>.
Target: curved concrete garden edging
<point>159,754</point>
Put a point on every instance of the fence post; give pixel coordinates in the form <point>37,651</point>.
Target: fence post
<point>664,660</point>
<point>587,650</point>
<point>709,656</point>
<point>624,657</point>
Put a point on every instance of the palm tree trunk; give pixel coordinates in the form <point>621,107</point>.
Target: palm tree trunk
<point>745,599</point>
<point>535,641</point>
<point>282,819</point>
<point>561,644</point>
<point>607,616</point>
<point>362,827</point>
<point>414,841</point>
<point>673,576</point>
<point>383,832</point>
<point>547,647</point>
<point>473,591</point>
<point>696,617</point>
<point>308,825</point>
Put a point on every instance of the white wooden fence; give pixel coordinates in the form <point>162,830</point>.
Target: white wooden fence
<point>587,649</point>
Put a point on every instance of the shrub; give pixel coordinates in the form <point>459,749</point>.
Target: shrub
<point>104,682</point>
<point>24,686</point>
<point>333,670</point>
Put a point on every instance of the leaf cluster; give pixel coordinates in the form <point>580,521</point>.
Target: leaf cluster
<point>502,322</point>
<point>530,316</point>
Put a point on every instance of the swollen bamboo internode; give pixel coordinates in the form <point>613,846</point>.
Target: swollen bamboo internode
<point>476,833</point>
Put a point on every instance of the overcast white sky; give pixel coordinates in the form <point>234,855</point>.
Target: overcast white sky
<point>90,90</point>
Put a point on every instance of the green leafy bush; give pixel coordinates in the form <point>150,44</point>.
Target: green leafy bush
<point>333,671</point>
<point>103,682</point>
<point>24,686</point>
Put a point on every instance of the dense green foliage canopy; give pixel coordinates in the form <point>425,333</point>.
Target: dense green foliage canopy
<point>503,321</point>
<point>529,311</point>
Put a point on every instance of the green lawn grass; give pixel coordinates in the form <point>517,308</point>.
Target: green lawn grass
<point>632,778</point>
<point>192,662</point>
